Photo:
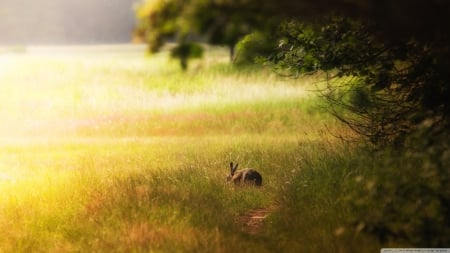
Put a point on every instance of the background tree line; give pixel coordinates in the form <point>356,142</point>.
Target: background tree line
<point>387,61</point>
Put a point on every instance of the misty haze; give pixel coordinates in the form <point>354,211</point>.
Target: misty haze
<point>27,22</point>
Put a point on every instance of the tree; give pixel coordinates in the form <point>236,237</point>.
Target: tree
<point>383,90</point>
<point>227,22</point>
<point>390,64</point>
<point>388,79</point>
<point>218,22</point>
<point>159,20</point>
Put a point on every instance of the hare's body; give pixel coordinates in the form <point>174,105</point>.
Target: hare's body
<point>248,176</point>
<point>245,176</point>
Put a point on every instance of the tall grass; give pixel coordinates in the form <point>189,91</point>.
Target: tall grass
<point>72,92</point>
<point>167,194</point>
<point>117,152</point>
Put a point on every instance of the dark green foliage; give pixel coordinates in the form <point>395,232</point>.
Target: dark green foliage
<point>384,90</point>
<point>186,51</point>
<point>221,22</point>
<point>407,200</point>
<point>254,46</point>
<point>158,21</point>
<point>215,22</point>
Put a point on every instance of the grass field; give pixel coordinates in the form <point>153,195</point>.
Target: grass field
<point>113,151</point>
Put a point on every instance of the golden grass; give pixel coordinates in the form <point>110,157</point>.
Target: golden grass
<point>46,94</point>
<point>117,152</point>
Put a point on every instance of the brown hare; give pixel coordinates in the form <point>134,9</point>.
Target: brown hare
<point>246,176</point>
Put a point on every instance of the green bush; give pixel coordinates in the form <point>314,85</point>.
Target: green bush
<point>252,47</point>
<point>406,199</point>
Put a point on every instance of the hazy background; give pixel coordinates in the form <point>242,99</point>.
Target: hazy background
<point>31,22</point>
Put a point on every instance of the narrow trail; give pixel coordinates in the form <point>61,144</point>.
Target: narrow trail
<point>252,222</point>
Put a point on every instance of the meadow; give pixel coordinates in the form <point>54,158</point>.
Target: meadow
<point>110,150</point>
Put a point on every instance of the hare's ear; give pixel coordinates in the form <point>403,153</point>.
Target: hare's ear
<point>235,167</point>
<point>231,168</point>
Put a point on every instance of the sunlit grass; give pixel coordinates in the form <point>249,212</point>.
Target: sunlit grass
<point>118,152</point>
<point>45,94</point>
<point>119,196</point>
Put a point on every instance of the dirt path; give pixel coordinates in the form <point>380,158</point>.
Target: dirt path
<point>252,222</point>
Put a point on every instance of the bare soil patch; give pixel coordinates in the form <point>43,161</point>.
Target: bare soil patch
<point>252,222</point>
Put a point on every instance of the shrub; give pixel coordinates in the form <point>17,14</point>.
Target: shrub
<point>252,47</point>
<point>406,198</point>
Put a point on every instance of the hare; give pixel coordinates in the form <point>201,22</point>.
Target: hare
<point>247,176</point>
